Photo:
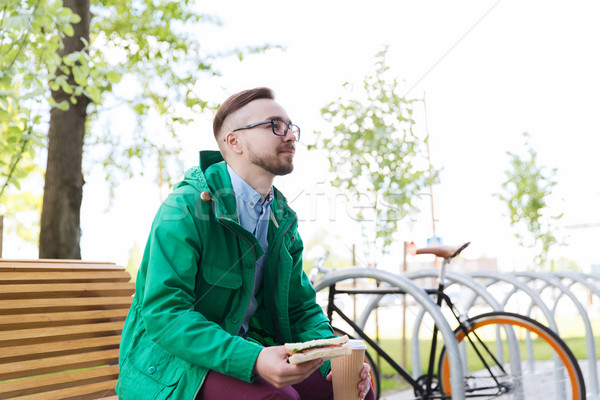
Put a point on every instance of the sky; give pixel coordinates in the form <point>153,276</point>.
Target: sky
<point>488,71</point>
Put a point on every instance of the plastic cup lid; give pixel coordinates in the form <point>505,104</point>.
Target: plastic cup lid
<point>356,344</point>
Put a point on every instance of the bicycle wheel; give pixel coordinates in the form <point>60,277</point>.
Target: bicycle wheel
<point>513,357</point>
<point>374,372</point>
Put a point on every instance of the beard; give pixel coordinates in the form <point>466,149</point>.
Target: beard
<point>272,163</point>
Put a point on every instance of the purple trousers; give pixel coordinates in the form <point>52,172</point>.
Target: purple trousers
<point>221,387</point>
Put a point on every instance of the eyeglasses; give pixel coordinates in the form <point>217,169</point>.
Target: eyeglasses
<point>280,128</point>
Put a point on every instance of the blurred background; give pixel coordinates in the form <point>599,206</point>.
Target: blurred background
<point>476,76</point>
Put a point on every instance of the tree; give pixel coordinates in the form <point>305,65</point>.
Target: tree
<point>72,58</point>
<point>28,40</point>
<point>63,189</point>
<point>374,151</point>
<point>526,190</point>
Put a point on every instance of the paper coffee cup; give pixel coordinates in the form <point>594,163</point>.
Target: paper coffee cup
<point>346,371</point>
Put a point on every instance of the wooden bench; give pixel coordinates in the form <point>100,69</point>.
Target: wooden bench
<point>60,328</point>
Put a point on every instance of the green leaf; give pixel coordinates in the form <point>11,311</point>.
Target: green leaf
<point>113,76</point>
<point>68,30</point>
<point>71,58</point>
<point>63,105</point>
<point>93,93</point>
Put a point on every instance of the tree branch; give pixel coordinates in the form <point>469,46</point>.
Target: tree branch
<point>18,158</point>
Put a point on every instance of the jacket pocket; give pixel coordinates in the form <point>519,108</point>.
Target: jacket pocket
<point>149,372</point>
<point>216,289</point>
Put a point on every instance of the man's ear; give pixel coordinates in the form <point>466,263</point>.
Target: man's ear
<point>232,143</point>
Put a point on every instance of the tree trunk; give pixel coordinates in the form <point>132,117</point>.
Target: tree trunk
<point>60,231</point>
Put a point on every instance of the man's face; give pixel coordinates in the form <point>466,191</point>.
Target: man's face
<point>261,147</point>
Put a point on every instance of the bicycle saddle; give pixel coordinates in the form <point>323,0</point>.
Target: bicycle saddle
<point>443,251</point>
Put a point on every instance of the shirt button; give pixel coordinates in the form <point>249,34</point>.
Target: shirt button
<point>235,320</point>
<point>152,370</point>
<point>251,204</point>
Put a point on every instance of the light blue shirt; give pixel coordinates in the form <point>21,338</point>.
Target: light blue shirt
<point>253,214</point>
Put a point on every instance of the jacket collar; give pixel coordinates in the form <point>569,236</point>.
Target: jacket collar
<point>216,179</point>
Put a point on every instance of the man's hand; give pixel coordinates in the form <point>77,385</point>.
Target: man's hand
<point>365,381</point>
<point>273,367</point>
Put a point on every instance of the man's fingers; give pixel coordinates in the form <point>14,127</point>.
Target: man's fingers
<point>365,384</point>
<point>312,364</point>
<point>307,368</point>
<point>365,371</point>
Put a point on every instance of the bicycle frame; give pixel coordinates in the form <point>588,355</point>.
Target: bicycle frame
<point>424,391</point>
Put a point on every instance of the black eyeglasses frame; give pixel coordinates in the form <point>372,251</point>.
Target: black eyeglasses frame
<point>272,122</point>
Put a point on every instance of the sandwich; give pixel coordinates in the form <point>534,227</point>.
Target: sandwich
<point>324,349</point>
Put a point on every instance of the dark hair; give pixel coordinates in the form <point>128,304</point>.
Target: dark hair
<point>237,101</point>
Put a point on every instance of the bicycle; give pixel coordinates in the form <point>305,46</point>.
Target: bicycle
<point>496,348</point>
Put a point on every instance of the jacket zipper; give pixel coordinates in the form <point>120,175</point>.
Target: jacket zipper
<point>277,338</point>
<point>254,269</point>
<point>254,254</point>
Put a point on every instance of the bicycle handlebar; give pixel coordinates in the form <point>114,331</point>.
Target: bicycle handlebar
<point>319,267</point>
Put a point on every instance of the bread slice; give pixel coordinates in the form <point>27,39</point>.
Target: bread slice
<point>324,349</point>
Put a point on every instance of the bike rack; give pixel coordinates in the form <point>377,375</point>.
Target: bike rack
<point>451,278</point>
<point>430,273</point>
<point>494,277</point>
<point>595,277</point>
<point>551,280</point>
<point>582,279</point>
<point>406,285</point>
<point>479,282</point>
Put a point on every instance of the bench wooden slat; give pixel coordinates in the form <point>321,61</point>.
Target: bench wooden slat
<point>45,290</point>
<point>27,352</point>
<point>53,261</point>
<point>22,321</point>
<point>101,329</point>
<point>21,387</point>
<point>44,264</point>
<point>84,392</point>
<point>47,305</point>
<point>61,363</point>
<point>64,277</point>
<point>60,328</point>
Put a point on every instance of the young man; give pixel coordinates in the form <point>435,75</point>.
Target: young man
<point>221,287</point>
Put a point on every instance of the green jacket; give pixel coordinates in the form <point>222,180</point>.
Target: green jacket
<point>193,288</point>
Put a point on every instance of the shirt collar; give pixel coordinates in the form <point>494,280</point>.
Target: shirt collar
<point>244,191</point>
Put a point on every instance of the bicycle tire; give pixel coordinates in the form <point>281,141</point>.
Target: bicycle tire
<point>374,372</point>
<point>558,378</point>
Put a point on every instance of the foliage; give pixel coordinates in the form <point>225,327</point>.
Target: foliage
<point>565,264</point>
<point>154,48</point>
<point>374,152</point>
<point>143,55</point>
<point>134,261</point>
<point>319,245</point>
<point>526,190</point>
<point>30,34</point>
